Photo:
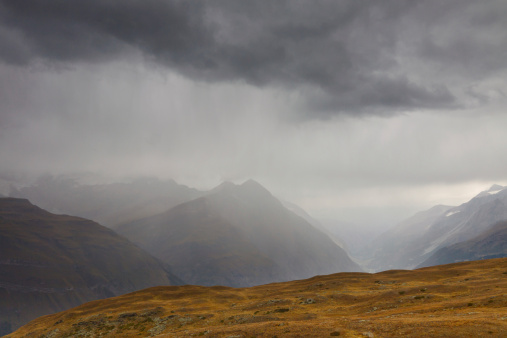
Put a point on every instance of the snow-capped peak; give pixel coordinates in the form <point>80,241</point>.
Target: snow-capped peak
<point>495,188</point>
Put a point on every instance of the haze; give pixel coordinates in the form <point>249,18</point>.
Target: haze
<point>362,111</point>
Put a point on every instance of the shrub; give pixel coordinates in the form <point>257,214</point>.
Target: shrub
<point>281,310</point>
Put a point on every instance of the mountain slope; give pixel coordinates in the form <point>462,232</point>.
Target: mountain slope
<point>201,246</point>
<point>237,236</point>
<point>51,262</point>
<point>107,204</point>
<point>458,300</point>
<point>408,246</point>
<point>389,248</point>
<point>316,224</point>
<point>492,243</point>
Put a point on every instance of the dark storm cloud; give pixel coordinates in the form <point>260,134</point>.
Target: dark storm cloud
<point>467,37</point>
<point>97,30</point>
<point>345,56</point>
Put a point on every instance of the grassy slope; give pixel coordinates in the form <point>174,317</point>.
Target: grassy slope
<point>464,299</point>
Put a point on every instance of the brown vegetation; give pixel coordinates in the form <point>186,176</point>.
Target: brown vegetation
<point>464,299</point>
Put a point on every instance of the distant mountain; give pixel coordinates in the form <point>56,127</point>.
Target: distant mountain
<point>108,204</point>
<point>492,243</point>
<point>50,263</point>
<point>237,235</point>
<point>416,239</point>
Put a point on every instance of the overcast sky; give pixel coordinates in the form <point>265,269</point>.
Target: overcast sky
<point>334,105</point>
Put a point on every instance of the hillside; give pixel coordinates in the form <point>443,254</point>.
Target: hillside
<point>490,244</point>
<point>237,235</point>
<point>458,300</point>
<point>50,263</point>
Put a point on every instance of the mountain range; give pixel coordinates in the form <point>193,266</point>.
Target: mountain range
<point>50,263</point>
<point>233,235</point>
<point>108,204</point>
<point>414,240</point>
<point>237,235</point>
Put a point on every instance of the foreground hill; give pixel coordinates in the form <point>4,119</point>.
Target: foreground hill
<point>415,240</point>
<point>237,235</point>
<point>490,244</point>
<point>50,263</point>
<point>107,204</point>
<point>458,300</point>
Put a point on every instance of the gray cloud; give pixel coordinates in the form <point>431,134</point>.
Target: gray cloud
<point>469,39</point>
<point>357,57</point>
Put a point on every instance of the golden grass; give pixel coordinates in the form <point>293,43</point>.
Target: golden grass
<point>458,300</point>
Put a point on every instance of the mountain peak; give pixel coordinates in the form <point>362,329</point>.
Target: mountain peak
<point>224,186</point>
<point>250,187</point>
<point>253,184</point>
<point>254,187</point>
<point>495,188</point>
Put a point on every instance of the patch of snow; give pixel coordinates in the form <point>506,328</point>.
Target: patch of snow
<point>450,213</point>
<point>495,189</point>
